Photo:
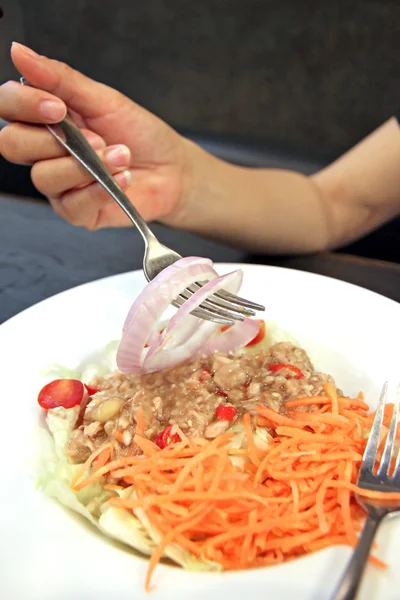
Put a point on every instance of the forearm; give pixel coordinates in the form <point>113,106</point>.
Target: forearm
<point>262,210</point>
<point>277,211</point>
<point>363,186</point>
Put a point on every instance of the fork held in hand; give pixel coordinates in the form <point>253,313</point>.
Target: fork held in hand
<point>222,307</point>
<point>385,480</point>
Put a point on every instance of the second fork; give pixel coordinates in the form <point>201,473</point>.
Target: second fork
<point>386,480</point>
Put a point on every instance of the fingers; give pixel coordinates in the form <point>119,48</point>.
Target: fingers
<point>88,206</point>
<point>84,95</point>
<point>56,176</point>
<point>114,116</point>
<point>26,144</point>
<point>24,103</point>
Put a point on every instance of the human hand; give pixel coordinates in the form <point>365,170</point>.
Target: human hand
<point>147,157</point>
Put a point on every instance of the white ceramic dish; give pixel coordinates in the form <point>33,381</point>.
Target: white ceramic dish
<point>46,553</point>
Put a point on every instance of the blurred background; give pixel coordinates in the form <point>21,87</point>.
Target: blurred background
<point>258,82</point>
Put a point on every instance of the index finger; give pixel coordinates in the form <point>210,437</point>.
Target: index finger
<point>30,105</point>
<point>27,144</point>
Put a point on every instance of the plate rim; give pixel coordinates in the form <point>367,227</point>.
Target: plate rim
<point>8,322</point>
<point>13,322</point>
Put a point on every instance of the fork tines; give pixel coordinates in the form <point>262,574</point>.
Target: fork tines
<point>222,307</point>
<point>389,453</point>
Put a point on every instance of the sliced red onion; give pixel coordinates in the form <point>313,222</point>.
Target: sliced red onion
<point>163,359</point>
<point>165,277</point>
<point>234,338</point>
<point>151,303</point>
<point>170,351</point>
<point>185,336</point>
<point>180,327</point>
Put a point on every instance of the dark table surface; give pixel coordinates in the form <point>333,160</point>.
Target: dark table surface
<point>41,255</point>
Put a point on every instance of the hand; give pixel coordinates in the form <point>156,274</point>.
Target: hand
<point>148,158</point>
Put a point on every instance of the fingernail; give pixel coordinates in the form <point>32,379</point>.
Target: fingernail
<point>52,110</point>
<point>124,178</point>
<point>26,50</point>
<point>118,156</point>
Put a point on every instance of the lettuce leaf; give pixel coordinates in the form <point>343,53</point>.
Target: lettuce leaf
<point>97,365</point>
<point>54,475</point>
<point>53,471</point>
<point>179,555</point>
<point>262,438</point>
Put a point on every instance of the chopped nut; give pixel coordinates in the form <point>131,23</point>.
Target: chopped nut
<point>216,428</point>
<point>107,410</point>
<point>126,437</point>
<point>92,429</point>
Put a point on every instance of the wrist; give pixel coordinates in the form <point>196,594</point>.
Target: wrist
<point>202,175</point>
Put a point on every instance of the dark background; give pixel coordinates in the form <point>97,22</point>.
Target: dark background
<point>289,83</point>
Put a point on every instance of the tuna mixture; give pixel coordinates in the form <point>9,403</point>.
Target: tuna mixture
<point>201,398</point>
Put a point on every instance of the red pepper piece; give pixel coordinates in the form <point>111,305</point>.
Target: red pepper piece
<point>204,375</point>
<point>257,338</point>
<point>221,393</point>
<point>260,335</point>
<point>225,412</point>
<point>61,392</point>
<point>91,390</point>
<point>298,374</point>
<point>165,438</point>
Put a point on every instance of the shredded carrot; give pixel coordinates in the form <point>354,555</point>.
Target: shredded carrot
<point>378,562</point>
<point>319,418</point>
<point>264,422</point>
<point>345,471</point>
<point>81,472</point>
<point>102,458</point>
<point>274,417</point>
<point>307,401</point>
<point>296,496</point>
<point>140,426</point>
<point>168,538</point>
<point>146,445</point>
<point>113,487</point>
<point>250,439</point>
<point>332,393</point>
<point>355,403</point>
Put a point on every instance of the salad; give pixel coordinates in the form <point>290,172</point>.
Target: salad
<point>218,448</point>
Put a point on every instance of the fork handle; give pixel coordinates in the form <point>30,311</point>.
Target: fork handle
<point>69,136</point>
<point>351,578</point>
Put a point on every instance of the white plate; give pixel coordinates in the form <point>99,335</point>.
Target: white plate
<point>46,553</point>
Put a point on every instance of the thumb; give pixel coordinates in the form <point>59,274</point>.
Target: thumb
<point>87,97</point>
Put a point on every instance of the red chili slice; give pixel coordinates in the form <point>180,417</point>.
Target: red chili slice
<point>204,375</point>
<point>221,393</point>
<point>260,335</point>
<point>91,390</point>
<point>257,339</point>
<point>61,392</point>
<point>225,412</point>
<point>165,438</point>
<point>298,374</point>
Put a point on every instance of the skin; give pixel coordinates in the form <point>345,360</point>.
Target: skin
<point>172,180</point>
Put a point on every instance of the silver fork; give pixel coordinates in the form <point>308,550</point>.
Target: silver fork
<point>383,481</point>
<point>222,307</point>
